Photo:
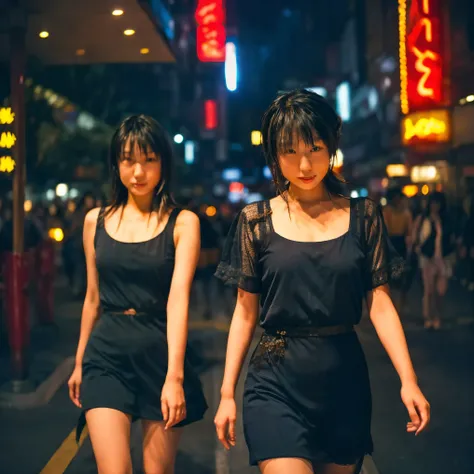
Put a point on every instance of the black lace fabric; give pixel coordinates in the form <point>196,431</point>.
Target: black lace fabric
<point>239,264</point>
<point>384,264</point>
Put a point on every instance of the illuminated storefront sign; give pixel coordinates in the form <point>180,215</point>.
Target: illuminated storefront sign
<point>396,170</point>
<point>424,174</point>
<point>210,114</point>
<point>7,164</point>
<point>421,56</point>
<point>211,33</point>
<point>6,116</point>
<point>426,127</point>
<point>7,140</point>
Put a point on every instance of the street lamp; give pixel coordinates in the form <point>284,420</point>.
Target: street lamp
<point>61,189</point>
<point>178,138</point>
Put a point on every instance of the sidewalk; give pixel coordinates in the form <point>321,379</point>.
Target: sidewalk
<point>49,350</point>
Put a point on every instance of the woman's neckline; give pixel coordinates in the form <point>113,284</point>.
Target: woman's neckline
<point>151,239</point>
<point>334,239</point>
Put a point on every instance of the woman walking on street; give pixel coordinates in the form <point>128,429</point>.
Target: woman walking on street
<point>309,257</point>
<point>433,239</point>
<point>399,221</point>
<point>141,254</point>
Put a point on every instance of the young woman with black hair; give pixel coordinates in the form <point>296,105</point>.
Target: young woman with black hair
<point>303,263</point>
<point>141,255</point>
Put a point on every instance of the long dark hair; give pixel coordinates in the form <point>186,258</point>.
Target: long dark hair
<point>304,114</point>
<point>148,134</point>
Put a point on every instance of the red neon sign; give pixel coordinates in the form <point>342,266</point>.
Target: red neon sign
<point>424,61</point>
<point>210,114</point>
<point>211,33</point>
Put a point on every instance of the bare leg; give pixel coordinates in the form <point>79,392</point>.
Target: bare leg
<point>336,469</point>
<point>109,431</point>
<point>428,293</point>
<point>159,447</point>
<point>286,465</point>
<point>440,291</point>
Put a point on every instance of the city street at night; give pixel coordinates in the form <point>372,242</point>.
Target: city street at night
<point>278,185</point>
<point>42,440</point>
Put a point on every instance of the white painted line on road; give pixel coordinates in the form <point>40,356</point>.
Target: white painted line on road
<point>369,466</point>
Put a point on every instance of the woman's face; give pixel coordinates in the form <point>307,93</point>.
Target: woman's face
<point>305,166</point>
<point>140,172</point>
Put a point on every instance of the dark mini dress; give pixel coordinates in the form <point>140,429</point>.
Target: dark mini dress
<point>126,359</point>
<point>307,391</point>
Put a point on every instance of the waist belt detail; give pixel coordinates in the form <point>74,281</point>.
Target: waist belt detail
<point>133,313</point>
<point>309,331</point>
<point>272,345</point>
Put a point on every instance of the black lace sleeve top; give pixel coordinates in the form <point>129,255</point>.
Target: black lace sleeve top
<point>309,283</point>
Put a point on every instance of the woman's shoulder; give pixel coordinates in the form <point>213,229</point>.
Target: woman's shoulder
<point>365,205</point>
<point>185,217</point>
<point>256,211</point>
<point>92,216</point>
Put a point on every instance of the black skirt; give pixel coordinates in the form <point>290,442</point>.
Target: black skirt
<point>313,401</point>
<point>125,365</point>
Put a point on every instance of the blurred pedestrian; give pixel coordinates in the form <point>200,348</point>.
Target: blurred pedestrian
<point>308,258</point>
<point>433,238</point>
<point>205,284</point>
<point>399,221</point>
<point>467,244</point>
<point>141,255</point>
<point>72,249</point>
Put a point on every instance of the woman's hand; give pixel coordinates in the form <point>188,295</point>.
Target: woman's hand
<point>225,422</point>
<point>74,385</point>
<point>173,404</point>
<point>417,406</point>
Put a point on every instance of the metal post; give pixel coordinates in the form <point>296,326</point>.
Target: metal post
<point>17,262</point>
<point>17,84</point>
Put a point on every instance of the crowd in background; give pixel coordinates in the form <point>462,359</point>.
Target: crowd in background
<point>435,237</point>
<point>437,240</point>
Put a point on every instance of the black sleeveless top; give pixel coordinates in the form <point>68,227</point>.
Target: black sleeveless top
<point>135,275</point>
<point>309,283</point>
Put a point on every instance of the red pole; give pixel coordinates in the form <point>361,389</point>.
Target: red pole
<point>44,282</point>
<point>16,264</point>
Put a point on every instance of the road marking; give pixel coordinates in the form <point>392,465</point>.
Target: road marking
<point>65,453</point>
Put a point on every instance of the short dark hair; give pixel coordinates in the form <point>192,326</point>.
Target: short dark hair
<point>305,114</point>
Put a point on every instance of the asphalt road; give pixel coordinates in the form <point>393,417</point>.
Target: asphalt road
<point>40,440</point>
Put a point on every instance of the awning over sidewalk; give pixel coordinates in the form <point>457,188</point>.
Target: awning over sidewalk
<point>86,32</point>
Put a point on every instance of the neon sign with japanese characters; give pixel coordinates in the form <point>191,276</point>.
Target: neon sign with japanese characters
<point>211,32</point>
<point>421,55</point>
<point>7,140</point>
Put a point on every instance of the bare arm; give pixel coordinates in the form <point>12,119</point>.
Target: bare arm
<point>415,229</point>
<point>389,329</point>
<point>187,238</point>
<point>409,231</point>
<point>390,332</point>
<point>90,309</point>
<point>240,336</point>
<point>439,239</point>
